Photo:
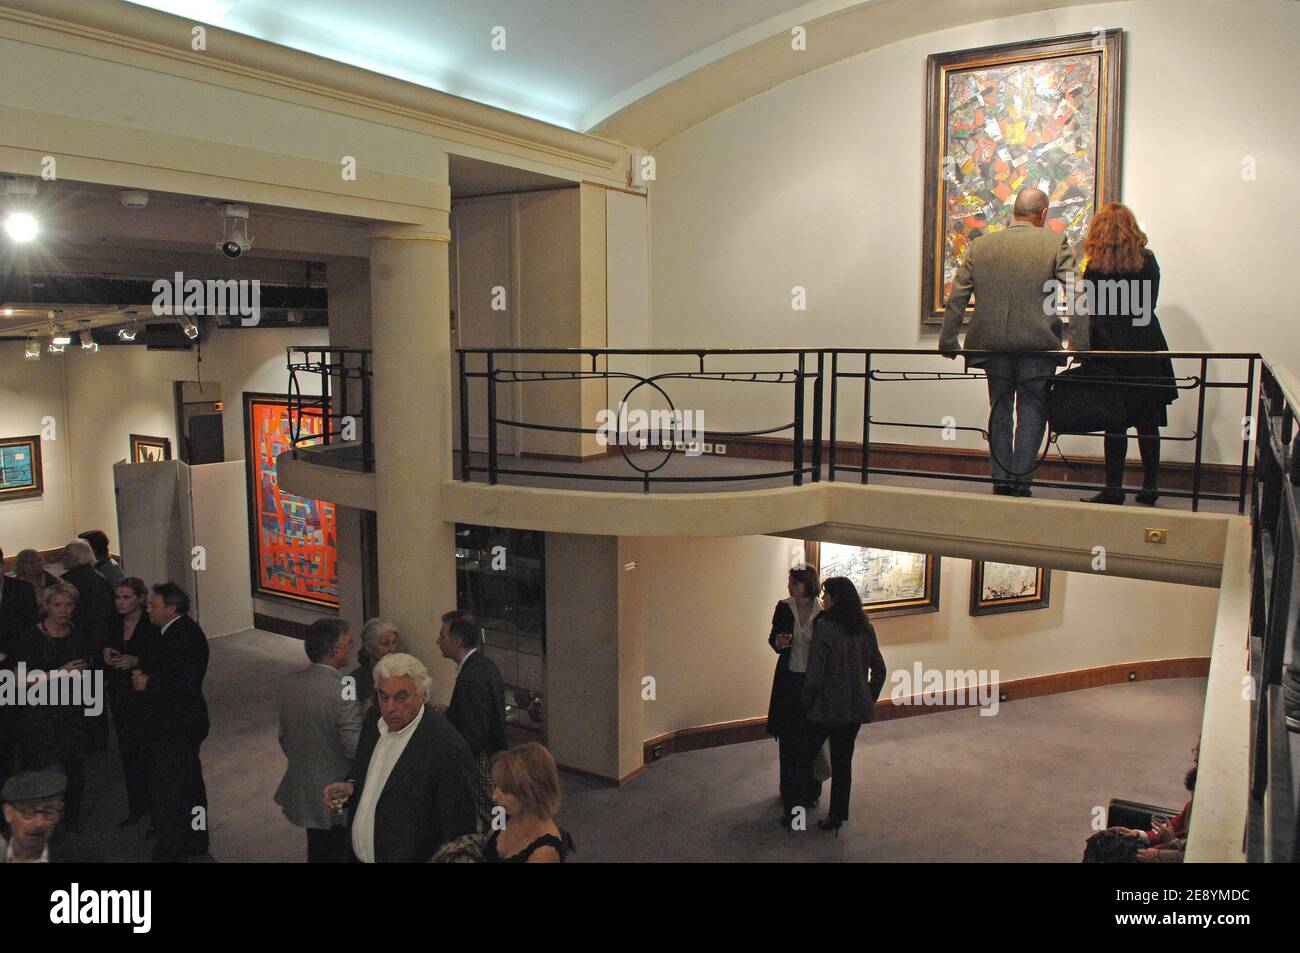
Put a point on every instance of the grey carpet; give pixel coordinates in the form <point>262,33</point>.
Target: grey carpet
<point>957,786</point>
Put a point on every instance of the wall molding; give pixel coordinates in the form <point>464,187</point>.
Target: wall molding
<point>755,729</point>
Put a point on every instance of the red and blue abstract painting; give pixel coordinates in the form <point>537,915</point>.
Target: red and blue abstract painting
<point>294,540</point>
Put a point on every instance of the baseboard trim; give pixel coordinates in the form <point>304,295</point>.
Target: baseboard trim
<point>755,729</point>
<point>592,776</point>
<point>269,623</point>
<point>1174,475</point>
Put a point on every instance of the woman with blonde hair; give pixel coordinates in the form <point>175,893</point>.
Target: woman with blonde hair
<point>1123,282</point>
<point>29,565</point>
<point>527,788</point>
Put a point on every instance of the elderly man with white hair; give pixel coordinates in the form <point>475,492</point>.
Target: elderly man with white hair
<point>411,787</point>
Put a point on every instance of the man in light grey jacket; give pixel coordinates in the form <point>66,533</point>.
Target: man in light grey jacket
<point>1013,274</point>
<point>320,724</point>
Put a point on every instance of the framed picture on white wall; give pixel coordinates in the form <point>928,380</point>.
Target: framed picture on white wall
<point>1003,587</point>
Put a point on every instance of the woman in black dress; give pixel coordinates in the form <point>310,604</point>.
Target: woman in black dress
<point>1123,278</point>
<point>528,790</point>
<point>56,736</point>
<point>129,641</point>
<point>791,635</point>
<point>846,674</point>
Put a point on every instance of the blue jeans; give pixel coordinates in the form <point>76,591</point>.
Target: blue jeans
<point>1017,382</point>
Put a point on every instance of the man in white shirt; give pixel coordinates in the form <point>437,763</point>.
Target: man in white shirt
<point>412,784</point>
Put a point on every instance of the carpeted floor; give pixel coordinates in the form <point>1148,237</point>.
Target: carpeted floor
<point>1018,786</point>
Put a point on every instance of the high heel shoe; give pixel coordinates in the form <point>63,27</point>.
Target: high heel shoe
<point>826,824</point>
<point>1147,497</point>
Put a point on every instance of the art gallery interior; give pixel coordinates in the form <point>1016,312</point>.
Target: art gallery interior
<point>428,244</point>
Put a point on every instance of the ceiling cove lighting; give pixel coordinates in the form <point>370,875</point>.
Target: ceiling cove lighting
<point>21,226</point>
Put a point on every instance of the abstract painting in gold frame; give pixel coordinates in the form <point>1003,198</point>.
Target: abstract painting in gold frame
<point>999,119</point>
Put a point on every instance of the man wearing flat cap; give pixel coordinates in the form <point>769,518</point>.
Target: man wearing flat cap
<point>33,805</point>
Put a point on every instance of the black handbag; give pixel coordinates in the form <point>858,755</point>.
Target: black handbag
<point>1080,400</point>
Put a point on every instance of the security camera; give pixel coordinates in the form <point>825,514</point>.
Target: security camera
<point>234,231</point>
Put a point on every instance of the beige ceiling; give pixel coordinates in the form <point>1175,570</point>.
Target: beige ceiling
<point>723,82</point>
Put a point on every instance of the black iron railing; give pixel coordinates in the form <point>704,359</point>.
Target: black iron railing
<point>824,371</point>
<point>1275,627</point>
<point>342,404</point>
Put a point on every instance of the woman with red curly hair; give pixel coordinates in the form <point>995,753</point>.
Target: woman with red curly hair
<point>1123,282</point>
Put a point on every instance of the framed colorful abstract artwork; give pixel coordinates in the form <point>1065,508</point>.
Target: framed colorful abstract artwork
<point>890,583</point>
<point>1002,587</point>
<point>1040,114</point>
<point>293,541</point>
<point>20,468</point>
<point>150,449</point>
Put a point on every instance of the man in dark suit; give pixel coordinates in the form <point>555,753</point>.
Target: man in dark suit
<point>320,724</point>
<point>18,613</point>
<point>176,719</point>
<point>478,702</point>
<point>411,787</point>
<point>1013,274</point>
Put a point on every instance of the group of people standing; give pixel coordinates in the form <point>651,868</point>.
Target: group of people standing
<point>150,658</point>
<point>1014,275</point>
<point>378,773</point>
<point>829,673</point>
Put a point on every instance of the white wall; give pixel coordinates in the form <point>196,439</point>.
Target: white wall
<point>818,182</point>
<point>709,608</point>
<point>29,392</point>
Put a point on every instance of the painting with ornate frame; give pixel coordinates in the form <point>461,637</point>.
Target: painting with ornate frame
<point>1004,587</point>
<point>1035,114</point>
<point>150,449</point>
<point>293,541</point>
<point>21,472</point>
<point>891,583</point>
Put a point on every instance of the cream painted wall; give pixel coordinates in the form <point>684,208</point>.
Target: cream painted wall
<point>29,392</point>
<point>818,182</point>
<point>710,604</point>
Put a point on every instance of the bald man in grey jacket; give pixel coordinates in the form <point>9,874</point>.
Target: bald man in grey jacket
<point>1013,274</point>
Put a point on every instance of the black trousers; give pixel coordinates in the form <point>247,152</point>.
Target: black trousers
<point>176,795</point>
<point>842,739</point>
<point>333,846</point>
<point>135,766</point>
<point>797,785</point>
<point>1148,446</point>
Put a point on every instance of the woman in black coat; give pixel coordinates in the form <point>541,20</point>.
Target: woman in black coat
<point>790,638</point>
<point>56,736</point>
<point>846,674</point>
<point>129,643</point>
<point>1123,278</point>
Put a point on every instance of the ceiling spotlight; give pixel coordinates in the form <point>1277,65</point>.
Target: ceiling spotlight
<point>21,227</point>
<point>8,312</point>
<point>128,333</point>
<point>55,346</point>
<point>190,328</point>
<point>88,342</point>
<point>234,231</point>
<point>33,350</point>
<point>61,338</point>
